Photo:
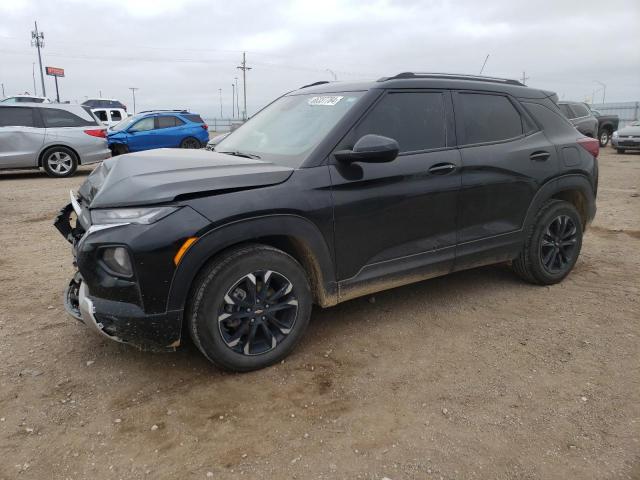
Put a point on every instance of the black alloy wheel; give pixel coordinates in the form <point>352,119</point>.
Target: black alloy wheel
<point>558,245</point>
<point>257,312</point>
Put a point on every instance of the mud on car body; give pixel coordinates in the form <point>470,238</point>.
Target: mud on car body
<point>331,192</point>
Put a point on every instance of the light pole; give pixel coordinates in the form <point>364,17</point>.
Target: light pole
<point>133,93</point>
<point>33,74</point>
<point>604,89</point>
<point>220,91</point>
<point>333,74</point>
<point>233,100</point>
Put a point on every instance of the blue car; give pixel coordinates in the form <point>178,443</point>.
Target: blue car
<point>158,129</point>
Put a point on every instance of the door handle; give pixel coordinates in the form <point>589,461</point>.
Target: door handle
<point>442,168</point>
<point>540,156</point>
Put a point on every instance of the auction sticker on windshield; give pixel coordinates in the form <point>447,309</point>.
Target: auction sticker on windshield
<point>326,101</point>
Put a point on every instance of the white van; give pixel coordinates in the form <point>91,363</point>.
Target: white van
<point>109,116</point>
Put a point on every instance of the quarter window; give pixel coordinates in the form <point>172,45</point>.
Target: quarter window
<point>169,121</point>
<point>54,118</point>
<point>489,118</point>
<point>16,117</point>
<point>416,120</point>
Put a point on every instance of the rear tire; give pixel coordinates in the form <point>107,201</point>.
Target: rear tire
<point>553,244</point>
<point>59,162</point>
<point>190,142</point>
<point>249,308</point>
<point>604,137</point>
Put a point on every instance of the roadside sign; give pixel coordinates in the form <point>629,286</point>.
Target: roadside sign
<point>55,71</point>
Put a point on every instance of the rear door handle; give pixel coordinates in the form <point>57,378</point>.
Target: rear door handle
<point>540,156</point>
<point>442,168</point>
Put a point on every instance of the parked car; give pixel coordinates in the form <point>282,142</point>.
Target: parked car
<point>158,129</point>
<point>627,138</point>
<point>109,116</point>
<point>211,144</point>
<point>54,137</point>
<point>581,117</point>
<point>329,193</point>
<point>25,99</point>
<point>607,124</point>
<point>104,103</point>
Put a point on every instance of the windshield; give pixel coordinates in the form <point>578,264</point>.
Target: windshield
<point>288,130</point>
<point>124,124</point>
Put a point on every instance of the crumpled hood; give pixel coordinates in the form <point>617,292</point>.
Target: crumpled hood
<point>157,176</point>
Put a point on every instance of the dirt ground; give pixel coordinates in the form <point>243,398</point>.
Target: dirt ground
<point>472,376</point>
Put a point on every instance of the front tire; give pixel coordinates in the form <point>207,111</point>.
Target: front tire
<point>249,308</point>
<point>59,162</point>
<point>553,244</point>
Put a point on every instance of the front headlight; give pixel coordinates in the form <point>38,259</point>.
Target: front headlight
<point>142,215</point>
<point>615,134</point>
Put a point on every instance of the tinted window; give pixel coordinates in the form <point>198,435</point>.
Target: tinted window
<point>489,118</point>
<point>144,125</point>
<point>564,108</point>
<point>54,118</point>
<point>116,116</point>
<point>415,120</point>
<point>581,110</point>
<point>16,117</point>
<point>169,121</point>
<point>194,118</point>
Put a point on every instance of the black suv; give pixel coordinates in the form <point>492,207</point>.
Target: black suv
<point>331,192</point>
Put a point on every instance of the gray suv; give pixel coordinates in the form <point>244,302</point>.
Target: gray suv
<point>54,137</point>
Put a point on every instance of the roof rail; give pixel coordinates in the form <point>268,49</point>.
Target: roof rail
<point>451,76</point>
<point>321,82</point>
<point>181,110</point>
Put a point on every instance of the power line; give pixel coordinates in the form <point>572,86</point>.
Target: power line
<point>244,68</point>
<point>37,40</point>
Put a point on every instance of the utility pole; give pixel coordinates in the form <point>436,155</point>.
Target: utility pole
<point>220,91</point>
<point>37,40</point>
<point>133,92</point>
<point>2,89</point>
<point>237,97</point>
<point>484,64</point>
<point>333,74</point>
<point>244,69</point>
<point>33,74</point>
<point>233,100</point>
<point>524,78</point>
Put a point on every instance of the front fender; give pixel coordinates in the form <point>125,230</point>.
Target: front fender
<point>306,235</point>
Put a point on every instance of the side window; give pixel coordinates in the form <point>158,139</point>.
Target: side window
<point>144,125</point>
<point>564,108</point>
<point>16,117</point>
<point>489,118</point>
<point>416,120</point>
<point>581,110</point>
<point>101,114</point>
<point>166,121</point>
<point>54,118</point>
<point>116,116</point>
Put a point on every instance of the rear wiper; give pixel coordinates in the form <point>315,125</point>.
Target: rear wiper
<point>236,153</point>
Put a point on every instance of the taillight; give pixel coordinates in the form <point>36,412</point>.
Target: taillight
<point>97,132</point>
<point>205,126</point>
<point>591,145</point>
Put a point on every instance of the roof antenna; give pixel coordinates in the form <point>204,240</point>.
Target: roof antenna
<point>483,65</point>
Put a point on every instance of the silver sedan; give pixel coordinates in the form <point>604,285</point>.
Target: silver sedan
<point>55,137</point>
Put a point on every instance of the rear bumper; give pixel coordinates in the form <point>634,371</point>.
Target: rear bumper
<point>96,156</point>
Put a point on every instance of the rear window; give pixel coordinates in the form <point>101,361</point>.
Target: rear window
<point>17,117</point>
<point>564,108</point>
<point>194,118</point>
<point>581,110</point>
<point>54,118</point>
<point>489,118</point>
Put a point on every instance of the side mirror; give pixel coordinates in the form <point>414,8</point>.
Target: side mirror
<point>370,149</point>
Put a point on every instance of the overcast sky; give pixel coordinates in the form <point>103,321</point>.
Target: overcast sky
<point>180,53</point>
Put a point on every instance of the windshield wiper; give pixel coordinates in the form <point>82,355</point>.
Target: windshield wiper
<point>236,153</point>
